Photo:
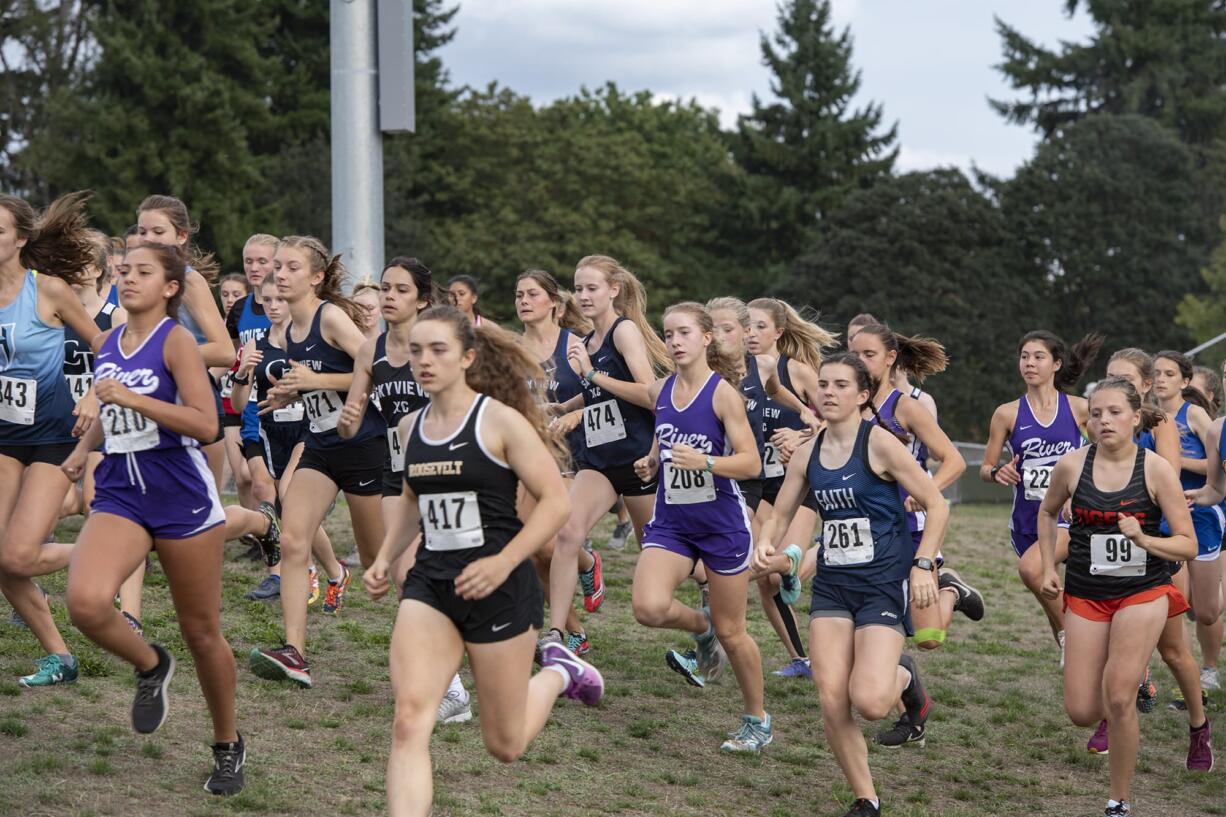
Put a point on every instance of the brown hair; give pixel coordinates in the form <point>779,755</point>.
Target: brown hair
<point>329,289</point>
<point>503,369</point>
<point>1143,362</point>
<point>235,278</point>
<point>1186,370</point>
<point>1074,363</point>
<point>423,279</point>
<point>631,303</point>
<point>174,266</point>
<point>1213,381</point>
<point>918,357</point>
<point>176,212</point>
<point>1150,415</point>
<point>58,240</point>
<point>565,311</point>
<point>863,383</point>
<point>863,319</point>
<point>724,362</point>
<point>802,339</point>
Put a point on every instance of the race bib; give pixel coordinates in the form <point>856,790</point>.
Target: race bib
<point>293,413</point>
<point>847,541</point>
<point>771,465</point>
<point>127,430</point>
<point>603,423</point>
<point>227,385</point>
<point>451,521</point>
<point>1035,481</point>
<point>18,399</point>
<point>683,487</point>
<point>1114,554</point>
<point>79,385</point>
<point>395,449</point>
<point>324,409</point>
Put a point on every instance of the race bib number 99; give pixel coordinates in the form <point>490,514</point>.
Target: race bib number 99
<point>451,521</point>
<point>847,541</point>
<point>1114,554</point>
<point>324,409</point>
<point>603,423</point>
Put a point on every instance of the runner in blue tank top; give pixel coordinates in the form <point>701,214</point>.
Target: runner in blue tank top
<point>321,343</point>
<point>884,352</point>
<point>867,568</point>
<point>703,445</point>
<point>37,424</point>
<point>552,325</point>
<point>764,392</point>
<point>1041,426</point>
<point>1172,381</point>
<point>154,490</point>
<point>617,362</point>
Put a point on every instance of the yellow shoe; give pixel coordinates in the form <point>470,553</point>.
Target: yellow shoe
<point>313,593</point>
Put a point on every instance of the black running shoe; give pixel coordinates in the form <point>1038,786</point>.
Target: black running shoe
<point>900,734</point>
<point>151,706</point>
<point>863,808</point>
<point>915,697</point>
<point>254,552</point>
<point>970,600</point>
<point>228,761</point>
<point>270,542</point>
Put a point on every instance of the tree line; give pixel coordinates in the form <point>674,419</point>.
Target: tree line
<point>1112,225</point>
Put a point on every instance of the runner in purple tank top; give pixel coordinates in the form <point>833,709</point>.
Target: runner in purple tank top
<point>154,489</point>
<point>703,445</point>
<point>1041,426</point>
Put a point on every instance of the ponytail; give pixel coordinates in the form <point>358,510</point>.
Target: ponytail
<point>918,357</point>
<point>59,241</point>
<point>726,363</point>
<point>802,339</point>
<point>1074,363</point>
<point>334,272</point>
<point>631,303</point>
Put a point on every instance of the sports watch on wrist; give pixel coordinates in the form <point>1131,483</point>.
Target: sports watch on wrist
<point>923,563</point>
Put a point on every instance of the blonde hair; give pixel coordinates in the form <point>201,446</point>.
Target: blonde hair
<point>366,283</point>
<point>802,339</point>
<point>631,303</point>
<point>262,240</point>
<point>724,362</point>
<point>329,289</point>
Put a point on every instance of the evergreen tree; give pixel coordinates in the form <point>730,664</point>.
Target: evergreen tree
<point>1205,314</point>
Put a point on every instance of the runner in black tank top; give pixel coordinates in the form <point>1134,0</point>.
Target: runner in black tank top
<point>472,589</point>
<point>1118,594</point>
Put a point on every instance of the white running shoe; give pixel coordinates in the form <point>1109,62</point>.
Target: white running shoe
<point>456,707</point>
<point>1210,679</point>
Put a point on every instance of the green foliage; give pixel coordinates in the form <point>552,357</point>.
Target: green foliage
<point>1204,314</point>
<point>931,255</point>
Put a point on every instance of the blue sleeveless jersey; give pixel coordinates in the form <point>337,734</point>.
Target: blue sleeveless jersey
<point>775,416</point>
<point>79,356</point>
<point>755,401</point>
<point>144,371</point>
<point>35,402</point>
<point>859,511</point>
<point>564,385</point>
<point>615,432</point>
<point>252,325</point>
<point>112,297</point>
<point>1038,447</point>
<point>323,407</point>
<point>1190,446</point>
<point>888,412</point>
<point>694,501</point>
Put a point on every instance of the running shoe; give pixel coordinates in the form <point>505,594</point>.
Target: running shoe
<point>352,560</point>
<point>970,600</point>
<point>704,594</point>
<point>1060,638</point>
<point>312,585</point>
<point>587,544</point>
<point>552,636</point>
<point>151,705</point>
<point>593,585</point>
<point>578,644</point>
<point>584,682</point>
<point>1118,810</point>
<point>1210,679</point>
<point>51,671</point>
<point>282,664</point>
<point>254,552</point>
<point>621,535</point>
<point>901,734</point>
<point>1180,705</point>
<point>456,707</point>
<point>712,660</point>
<point>270,542</point>
<point>267,590</point>
<point>228,762</point>
<point>334,598</point>
<point>133,622</point>
<point>863,808</point>
<point>754,735</point>
<point>789,587</point>
<point>915,698</point>
<point>1097,745</point>
<point>685,664</point>
<point>1147,695</point>
<point>796,668</point>
<point>1200,748</point>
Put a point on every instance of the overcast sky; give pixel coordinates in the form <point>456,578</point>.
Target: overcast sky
<point>929,62</point>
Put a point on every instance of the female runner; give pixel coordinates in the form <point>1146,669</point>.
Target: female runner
<point>462,291</point>
<point>367,294</point>
<point>322,341</point>
<point>703,445</point>
<point>1117,587</point>
<point>41,257</point>
<point>471,590</point>
<point>1041,426</point>
<point>859,610</point>
<point>154,490</point>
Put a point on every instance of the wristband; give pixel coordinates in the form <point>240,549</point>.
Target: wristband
<point>995,471</point>
<point>242,381</point>
<point>589,375</point>
<point>710,464</point>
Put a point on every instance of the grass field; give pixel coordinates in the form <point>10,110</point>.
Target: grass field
<point>998,739</point>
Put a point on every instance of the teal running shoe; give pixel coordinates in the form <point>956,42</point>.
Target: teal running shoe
<point>685,664</point>
<point>754,735</point>
<point>789,588</point>
<point>712,660</point>
<point>51,671</point>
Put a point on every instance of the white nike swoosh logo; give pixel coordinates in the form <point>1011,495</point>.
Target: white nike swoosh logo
<point>364,484</point>
<point>738,555</point>
<point>309,348</point>
<point>500,627</point>
<point>454,446</point>
<point>660,408</point>
<point>1023,428</point>
<point>104,354</point>
<point>198,510</point>
<point>847,477</point>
